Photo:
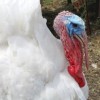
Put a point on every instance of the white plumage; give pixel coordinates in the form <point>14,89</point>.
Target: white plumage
<point>32,61</point>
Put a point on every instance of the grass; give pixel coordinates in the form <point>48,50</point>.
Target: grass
<point>47,1</point>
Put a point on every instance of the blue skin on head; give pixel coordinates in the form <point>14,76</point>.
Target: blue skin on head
<point>74,29</point>
<point>75,24</point>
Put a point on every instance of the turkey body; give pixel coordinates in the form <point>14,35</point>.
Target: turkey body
<point>32,61</point>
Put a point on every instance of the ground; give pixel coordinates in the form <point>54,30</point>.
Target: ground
<point>50,10</point>
<point>93,74</point>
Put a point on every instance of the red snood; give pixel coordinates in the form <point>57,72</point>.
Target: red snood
<point>73,53</point>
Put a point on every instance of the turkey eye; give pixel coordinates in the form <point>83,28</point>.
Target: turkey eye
<point>75,25</point>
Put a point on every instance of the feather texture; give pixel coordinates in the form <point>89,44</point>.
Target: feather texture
<point>32,61</point>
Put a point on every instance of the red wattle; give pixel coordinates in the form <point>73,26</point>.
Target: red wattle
<point>73,51</point>
<point>78,76</point>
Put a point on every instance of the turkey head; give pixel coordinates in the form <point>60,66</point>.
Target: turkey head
<point>71,30</point>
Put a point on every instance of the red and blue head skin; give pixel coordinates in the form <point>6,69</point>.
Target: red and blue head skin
<point>71,30</point>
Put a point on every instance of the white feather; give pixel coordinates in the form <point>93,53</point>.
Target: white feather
<point>32,61</point>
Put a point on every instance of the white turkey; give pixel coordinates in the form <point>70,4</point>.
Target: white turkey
<point>34,65</point>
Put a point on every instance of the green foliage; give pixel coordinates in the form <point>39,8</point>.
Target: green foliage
<point>47,1</point>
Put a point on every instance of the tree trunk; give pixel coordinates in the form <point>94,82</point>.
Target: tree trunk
<point>41,1</point>
<point>99,10</point>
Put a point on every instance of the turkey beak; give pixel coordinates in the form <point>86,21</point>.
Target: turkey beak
<point>83,40</point>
